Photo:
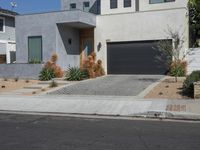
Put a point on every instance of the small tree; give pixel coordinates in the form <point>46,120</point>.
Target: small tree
<point>171,50</point>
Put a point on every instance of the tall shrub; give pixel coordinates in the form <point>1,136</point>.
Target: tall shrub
<point>194,20</point>
<point>173,52</point>
<point>93,67</point>
<point>188,86</point>
<point>51,64</point>
<point>51,69</point>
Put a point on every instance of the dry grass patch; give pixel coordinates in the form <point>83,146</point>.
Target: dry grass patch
<point>12,85</point>
<point>168,89</point>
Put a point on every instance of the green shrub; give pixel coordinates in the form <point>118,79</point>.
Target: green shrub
<point>46,74</point>
<point>188,87</point>
<point>178,69</point>
<point>76,74</point>
<point>34,61</point>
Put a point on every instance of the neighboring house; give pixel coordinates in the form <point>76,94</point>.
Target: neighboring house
<point>121,32</point>
<point>7,36</point>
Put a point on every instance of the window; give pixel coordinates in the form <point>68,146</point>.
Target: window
<point>127,3</point>
<point>35,49</point>
<point>160,1</point>
<point>72,6</point>
<point>113,4</point>
<point>86,6</point>
<point>2,24</point>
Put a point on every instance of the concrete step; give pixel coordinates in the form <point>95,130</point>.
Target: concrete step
<point>60,82</point>
<point>35,87</point>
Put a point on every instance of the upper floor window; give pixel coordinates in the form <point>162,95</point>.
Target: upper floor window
<point>127,3</point>
<point>86,6</point>
<point>160,1</point>
<point>113,4</point>
<point>2,24</point>
<point>72,6</point>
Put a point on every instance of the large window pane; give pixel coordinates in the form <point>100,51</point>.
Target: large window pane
<point>35,49</point>
<point>127,3</point>
<point>1,25</point>
<point>113,4</point>
<point>72,6</point>
<point>86,6</point>
<point>160,1</point>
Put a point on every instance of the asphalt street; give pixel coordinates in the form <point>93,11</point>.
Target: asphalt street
<point>30,132</point>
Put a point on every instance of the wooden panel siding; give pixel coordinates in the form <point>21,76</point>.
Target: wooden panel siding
<point>2,59</point>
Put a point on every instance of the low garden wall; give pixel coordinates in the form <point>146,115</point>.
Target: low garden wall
<point>197,90</point>
<point>193,59</point>
<point>22,71</point>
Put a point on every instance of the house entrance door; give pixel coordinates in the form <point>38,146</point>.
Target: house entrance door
<point>86,44</point>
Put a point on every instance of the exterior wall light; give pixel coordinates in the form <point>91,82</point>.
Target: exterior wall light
<point>99,46</point>
<point>69,41</point>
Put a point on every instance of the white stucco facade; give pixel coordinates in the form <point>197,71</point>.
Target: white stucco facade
<point>141,21</point>
<point>151,22</point>
<point>7,36</point>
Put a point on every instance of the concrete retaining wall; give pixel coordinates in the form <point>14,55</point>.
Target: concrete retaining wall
<point>24,71</point>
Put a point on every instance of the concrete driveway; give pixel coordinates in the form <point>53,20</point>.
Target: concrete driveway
<point>112,85</point>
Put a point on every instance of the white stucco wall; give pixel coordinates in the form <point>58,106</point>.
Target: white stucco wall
<point>6,46</point>
<point>193,59</point>
<point>139,26</point>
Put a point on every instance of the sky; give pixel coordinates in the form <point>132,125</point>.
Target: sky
<point>31,6</point>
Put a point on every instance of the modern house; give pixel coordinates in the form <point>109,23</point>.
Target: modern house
<point>123,33</point>
<point>7,36</point>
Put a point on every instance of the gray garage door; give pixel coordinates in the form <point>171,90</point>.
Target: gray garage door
<point>135,58</point>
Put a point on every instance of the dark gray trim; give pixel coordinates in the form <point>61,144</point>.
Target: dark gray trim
<point>137,5</point>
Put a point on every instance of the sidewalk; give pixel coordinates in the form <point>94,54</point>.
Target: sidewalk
<point>102,105</point>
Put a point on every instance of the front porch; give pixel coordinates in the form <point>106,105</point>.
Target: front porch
<point>75,41</point>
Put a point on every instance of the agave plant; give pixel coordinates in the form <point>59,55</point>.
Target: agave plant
<point>46,74</point>
<point>76,74</point>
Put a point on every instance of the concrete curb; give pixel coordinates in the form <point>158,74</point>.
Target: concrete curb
<point>103,106</point>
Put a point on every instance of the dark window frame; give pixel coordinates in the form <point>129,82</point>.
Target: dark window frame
<point>165,1</point>
<point>72,6</point>
<point>127,3</point>
<point>86,2</point>
<point>86,6</point>
<point>3,27</point>
<point>113,4</point>
<point>29,37</point>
